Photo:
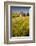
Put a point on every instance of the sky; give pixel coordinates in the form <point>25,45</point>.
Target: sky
<point>19,9</point>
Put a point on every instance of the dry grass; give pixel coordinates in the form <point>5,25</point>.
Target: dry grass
<point>20,26</point>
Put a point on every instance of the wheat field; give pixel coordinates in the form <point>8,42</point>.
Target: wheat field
<point>20,26</point>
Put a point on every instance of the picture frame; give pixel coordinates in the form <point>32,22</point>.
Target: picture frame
<point>10,8</point>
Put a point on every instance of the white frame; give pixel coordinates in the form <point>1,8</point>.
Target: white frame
<point>30,20</point>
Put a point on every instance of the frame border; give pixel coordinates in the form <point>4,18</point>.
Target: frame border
<point>6,3</point>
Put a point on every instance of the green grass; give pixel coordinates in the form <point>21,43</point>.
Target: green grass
<point>20,26</point>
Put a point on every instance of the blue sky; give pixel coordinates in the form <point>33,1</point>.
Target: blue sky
<point>19,9</point>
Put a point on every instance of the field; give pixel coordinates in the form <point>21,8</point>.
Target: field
<point>20,26</point>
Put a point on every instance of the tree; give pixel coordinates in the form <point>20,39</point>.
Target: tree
<point>27,14</point>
